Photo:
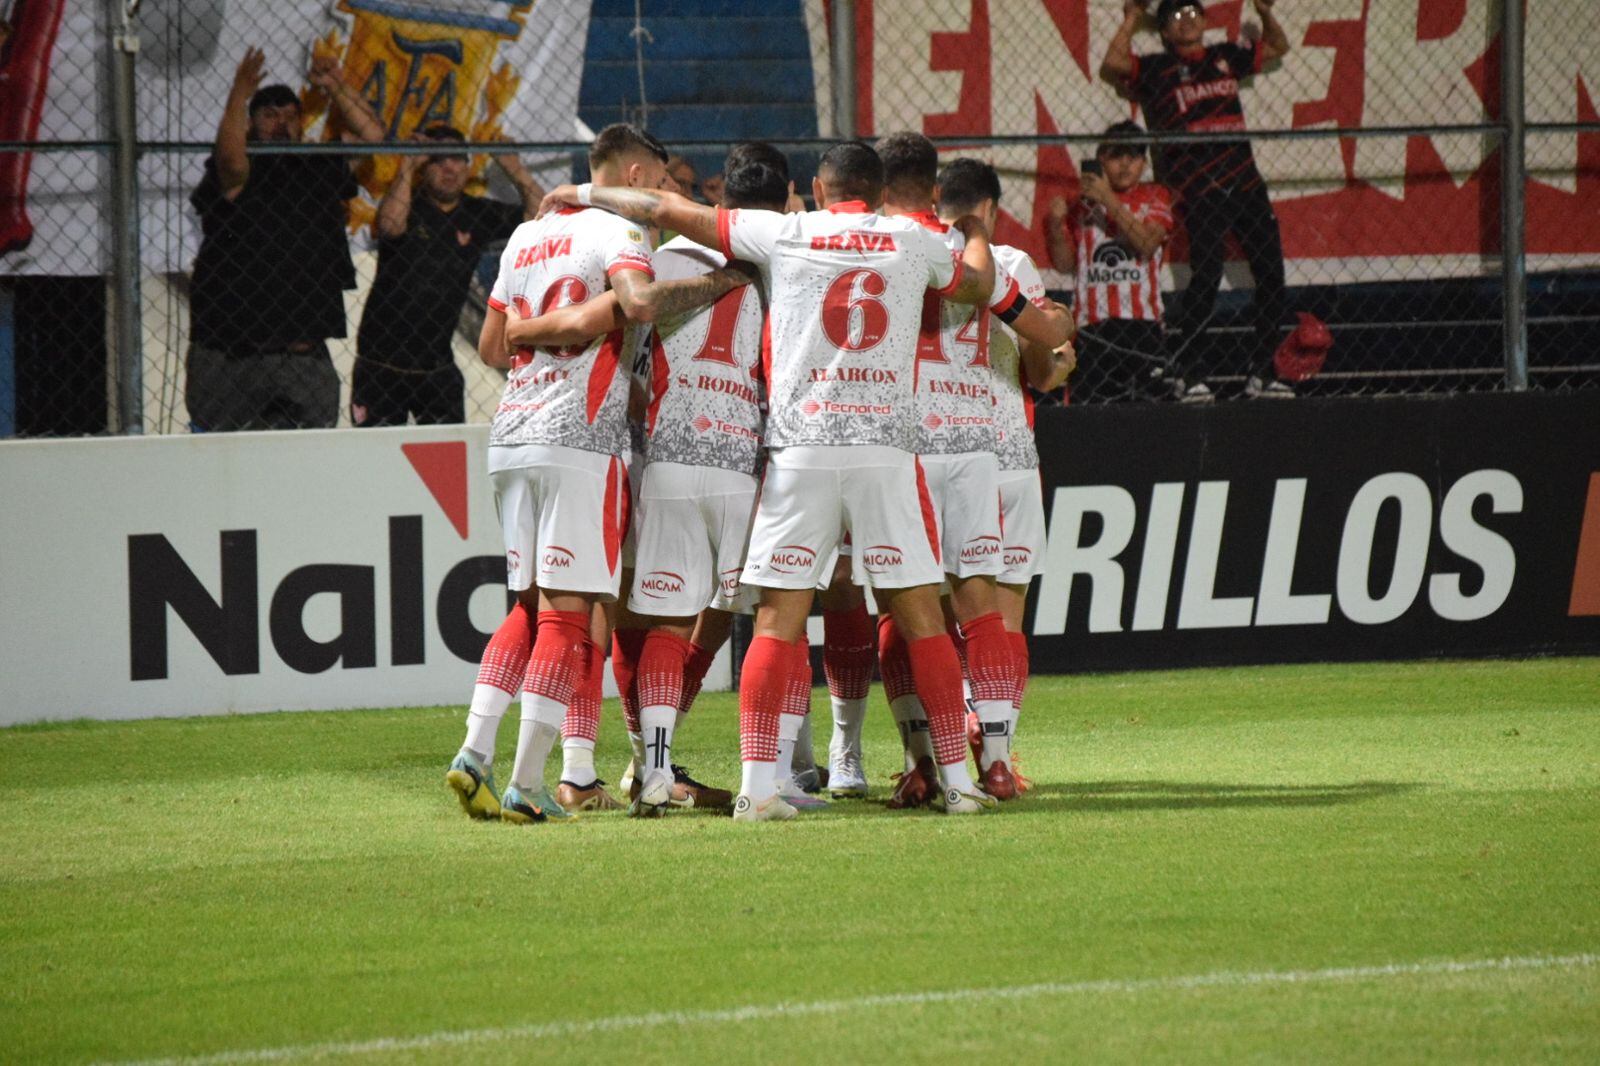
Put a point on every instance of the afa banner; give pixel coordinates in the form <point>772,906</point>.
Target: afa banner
<point>1353,209</point>
<point>1319,530</point>
<point>492,68</point>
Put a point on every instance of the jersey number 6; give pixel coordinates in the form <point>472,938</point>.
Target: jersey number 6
<point>854,319</point>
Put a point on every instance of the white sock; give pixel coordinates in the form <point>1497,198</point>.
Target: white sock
<point>788,733</point>
<point>913,723</point>
<point>577,762</point>
<point>483,720</point>
<point>655,726</point>
<point>805,753</point>
<point>847,718</point>
<point>759,781</point>
<point>636,743</point>
<point>955,776</point>
<point>994,720</point>
<point>540,726</point>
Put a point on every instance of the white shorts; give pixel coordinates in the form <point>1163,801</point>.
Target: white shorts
<point>561,514</point>
<point>693,523</point>
<point>1022,526</point>
<point>966,502</point>
<point>811,495</point>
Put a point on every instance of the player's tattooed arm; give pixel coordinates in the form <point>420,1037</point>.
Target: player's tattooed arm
<point>643,300</point>
<point>1117,66</point>
<point>977,262</point>
<point>648,207</point>
<point>561,326</point>
<point>492,340</point>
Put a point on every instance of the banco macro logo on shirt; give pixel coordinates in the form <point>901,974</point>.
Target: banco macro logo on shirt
<point>1113,264</point>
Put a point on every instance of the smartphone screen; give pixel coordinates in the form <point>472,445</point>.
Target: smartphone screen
<point>1090,166</point>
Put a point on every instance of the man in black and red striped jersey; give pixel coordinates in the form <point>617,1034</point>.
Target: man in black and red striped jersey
<point>1112,242</point>
<point>1192,87</point>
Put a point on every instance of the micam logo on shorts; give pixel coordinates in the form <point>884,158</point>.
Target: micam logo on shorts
<point>979,548</point>
<point>792,558</point>
<point>658,583</point>
<point>556,558</point>
<point>1016,555</point>
<point>881,557</point>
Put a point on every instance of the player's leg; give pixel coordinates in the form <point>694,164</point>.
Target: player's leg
<point>898,550</point>
<point>575,571</point>
<point>792,730</point>
<point>581,788</point>
<point>1022,516</point>
<point>849,654</point>
<point>797,523</point>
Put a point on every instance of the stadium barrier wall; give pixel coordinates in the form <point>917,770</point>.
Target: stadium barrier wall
<point>190,575</point>
<point>1319,530</point>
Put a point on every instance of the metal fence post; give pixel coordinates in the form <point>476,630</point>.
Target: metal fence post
<point>127,353</point>
<point>1514,184</point>
<point>842,60</point>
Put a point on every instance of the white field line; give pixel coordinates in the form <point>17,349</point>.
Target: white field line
<point>760,1012</point>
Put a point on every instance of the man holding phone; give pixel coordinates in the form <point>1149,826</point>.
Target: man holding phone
<point>1192,87</point>
<point>1112,242</point>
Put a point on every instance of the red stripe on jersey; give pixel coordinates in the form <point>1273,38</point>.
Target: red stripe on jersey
<point>955,280</point>
<point>660,381</point>
<point>617,268</point>
<point>1012,289</point>
<point>606,362</point>
<point>496,304</point>
<point>929,523</point>
<point>766,349</point>
<point>725,231</point>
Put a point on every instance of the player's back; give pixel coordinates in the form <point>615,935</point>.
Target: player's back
<point>705,371</point>
<point>1013,405</point>
<point>845,288</point>
<point>575,396</point>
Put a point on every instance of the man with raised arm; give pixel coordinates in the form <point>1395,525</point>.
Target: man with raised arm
<point>846,288</point>
<point>560,487</point>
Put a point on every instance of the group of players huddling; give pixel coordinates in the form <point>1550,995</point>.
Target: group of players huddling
<point>825,400</point>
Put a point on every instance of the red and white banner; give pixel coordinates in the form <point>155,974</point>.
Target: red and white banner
<point>1352,209</point>
<point>491,68</point>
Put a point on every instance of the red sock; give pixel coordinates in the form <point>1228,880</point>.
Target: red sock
<point>763,682</point>
<point>694,675</point>
<point>849,652</point>
<point>505,659</point>
<point>797,696</point>
<point>959,641</point>
<point>893,661</point>
<point>558,661</point>
<point>662,665</point>
<point>990,665</point>
<point>1019,657</point>
<point>938,678</point>
<point>626,647</point>
<point>583,713</point>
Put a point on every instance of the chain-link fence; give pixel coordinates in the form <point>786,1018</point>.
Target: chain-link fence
<point>166,267</point>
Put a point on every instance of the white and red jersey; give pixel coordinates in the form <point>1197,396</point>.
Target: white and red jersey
<point>955,404</point>
<point>705,367</point>
<point>1013,404</point>
<point>1113,282</point>
<point>845,289</point>
<point>576,397</point>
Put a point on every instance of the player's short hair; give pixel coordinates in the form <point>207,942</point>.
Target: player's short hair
<point>965,183</point>
<point>1121,139</point>
<point>755,185</point>
<point>852,170</point>
<point>747,152</point>
<point>910,164</point>
<point>620,139</point>
<point>273,96</point>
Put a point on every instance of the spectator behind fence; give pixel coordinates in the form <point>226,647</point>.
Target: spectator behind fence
<point>431,235</point>
<point>683,173</point>
<point>1192,87</point>
<point>1112,242</point>
<point>273,262</point>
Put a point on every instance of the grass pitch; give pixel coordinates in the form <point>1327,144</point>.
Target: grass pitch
<point>1215,865</point>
